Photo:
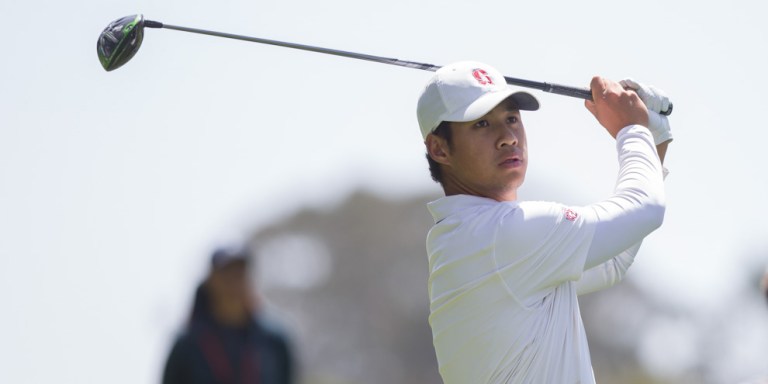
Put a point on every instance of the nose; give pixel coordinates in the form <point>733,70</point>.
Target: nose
<point>508,136</point>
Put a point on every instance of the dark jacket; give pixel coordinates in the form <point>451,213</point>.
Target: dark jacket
<point>208,352</point>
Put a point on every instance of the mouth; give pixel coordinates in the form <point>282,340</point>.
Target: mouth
<point>512,162</point>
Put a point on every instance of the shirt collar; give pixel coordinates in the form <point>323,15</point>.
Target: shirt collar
<point>446,206</point>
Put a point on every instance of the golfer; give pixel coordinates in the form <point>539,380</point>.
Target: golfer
<point>504,274</point>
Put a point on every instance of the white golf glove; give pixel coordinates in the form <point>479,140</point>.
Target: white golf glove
<point>656,101</point>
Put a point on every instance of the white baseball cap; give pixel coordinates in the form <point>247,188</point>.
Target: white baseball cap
<point>465,91</point>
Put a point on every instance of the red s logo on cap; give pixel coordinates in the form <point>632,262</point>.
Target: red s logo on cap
<point>482,76</point>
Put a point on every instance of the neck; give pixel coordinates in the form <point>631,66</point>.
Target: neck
<point>230,313</point>
<point>504,194</point>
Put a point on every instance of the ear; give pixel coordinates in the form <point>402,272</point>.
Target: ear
<point>437,149</point>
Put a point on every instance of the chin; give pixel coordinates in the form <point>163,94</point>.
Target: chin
<point>516,179</point>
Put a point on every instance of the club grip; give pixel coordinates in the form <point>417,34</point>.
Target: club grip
<point>582,93</point>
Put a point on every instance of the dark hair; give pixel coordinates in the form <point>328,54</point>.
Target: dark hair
<point>435,169</point>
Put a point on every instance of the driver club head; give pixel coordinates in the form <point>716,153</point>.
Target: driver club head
<point>119,41</point>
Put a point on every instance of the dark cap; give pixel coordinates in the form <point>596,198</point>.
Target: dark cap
<point>224,256</point>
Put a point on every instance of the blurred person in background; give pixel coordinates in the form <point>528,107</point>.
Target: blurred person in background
<point>764,293</point>
<point>764,284</point>
<point>228,339</point>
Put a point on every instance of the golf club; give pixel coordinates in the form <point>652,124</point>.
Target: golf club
<point>121,39</point>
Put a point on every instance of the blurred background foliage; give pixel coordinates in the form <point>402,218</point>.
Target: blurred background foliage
<point>350,281</point>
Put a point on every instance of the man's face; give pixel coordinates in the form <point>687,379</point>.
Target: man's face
<point>230,282</point>
<point>487,157</point>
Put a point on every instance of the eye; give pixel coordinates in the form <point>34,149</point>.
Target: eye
<point>481,124</point>
<point>512,119</point>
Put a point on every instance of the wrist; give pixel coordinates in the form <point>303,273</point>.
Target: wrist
<point>659,127</point>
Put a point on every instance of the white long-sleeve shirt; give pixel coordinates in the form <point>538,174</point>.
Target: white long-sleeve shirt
<point>503,275</point>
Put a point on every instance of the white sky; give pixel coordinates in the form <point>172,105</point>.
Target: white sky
<point>114,186</point>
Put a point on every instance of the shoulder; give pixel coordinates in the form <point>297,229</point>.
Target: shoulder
<point>551,211</point>
<point>542,208</point>
<point>271,327</point>
<point>182,352</point>
<point>188,338</point>
<point>544,212</point>
<point>183,341</point>
<point>538,221</point>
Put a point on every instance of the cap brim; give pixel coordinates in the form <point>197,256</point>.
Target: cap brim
<point>226,256</point>
<point>477,109</point>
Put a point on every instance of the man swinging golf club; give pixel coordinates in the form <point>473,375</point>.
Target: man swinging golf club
<point>505,274</point>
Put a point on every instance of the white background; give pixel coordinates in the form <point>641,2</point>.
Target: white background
<point>114,186</point>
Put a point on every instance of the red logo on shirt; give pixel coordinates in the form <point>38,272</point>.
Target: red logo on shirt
<point>482,76</point>
<point>571,215</point>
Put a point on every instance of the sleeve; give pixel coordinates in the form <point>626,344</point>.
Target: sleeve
<point>612,271</point>
<point>286,362</point>
<point>278,347</point>
<point>607,274</point>
<point>637,206</point>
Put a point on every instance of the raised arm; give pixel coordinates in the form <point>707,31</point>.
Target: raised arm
<point>612,271</point>
<point>636,207</point>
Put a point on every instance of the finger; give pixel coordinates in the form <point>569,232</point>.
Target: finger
<point>630,83</point>
<point>648,98</point>
<point>655,102</point>
<point>591,107</point>
<point>598,87</point>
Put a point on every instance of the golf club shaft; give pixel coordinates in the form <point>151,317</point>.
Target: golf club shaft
<point>582,93</point>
